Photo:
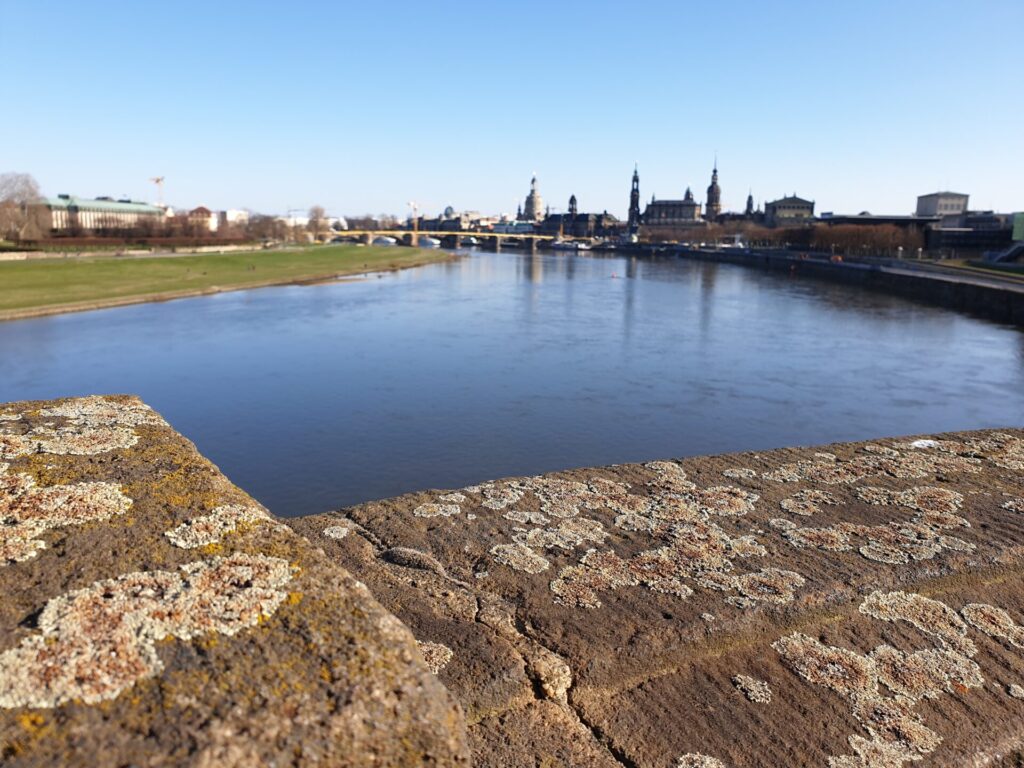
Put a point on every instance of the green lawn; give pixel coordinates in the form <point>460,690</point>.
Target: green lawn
<point>49,284</point>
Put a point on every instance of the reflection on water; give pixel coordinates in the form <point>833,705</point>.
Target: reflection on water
<point>315,397</point>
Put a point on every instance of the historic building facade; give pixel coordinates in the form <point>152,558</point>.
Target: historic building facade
<point>533,208</point>
<point>789,210</point>
<point>576,224</point>
<point>673,213</point>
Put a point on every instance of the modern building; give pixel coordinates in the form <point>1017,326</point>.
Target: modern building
<point>533,208</point>
<point>788,211</point>
<point>942,204</point>
<point>69,214</point>
<point>713,204</point>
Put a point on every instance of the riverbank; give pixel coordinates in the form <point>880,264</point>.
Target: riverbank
<point>982,293</point>
<point>48,287</point>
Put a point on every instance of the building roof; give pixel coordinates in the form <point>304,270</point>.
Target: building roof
<point>790,199</point>
<point>943,194</point>
<point>108,205</point>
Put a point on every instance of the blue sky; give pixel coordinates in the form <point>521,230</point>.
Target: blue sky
<point>363,107</point>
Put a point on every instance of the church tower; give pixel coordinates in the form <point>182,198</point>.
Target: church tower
<point>749,212</point>
<point>713,207</point>
<point>533,210</point>
<point>634,204</point>
<point>572,207</point>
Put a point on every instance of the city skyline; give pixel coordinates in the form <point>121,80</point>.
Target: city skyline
<point>367,109</point>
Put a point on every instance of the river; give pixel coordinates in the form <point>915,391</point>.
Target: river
<point>316,397</point>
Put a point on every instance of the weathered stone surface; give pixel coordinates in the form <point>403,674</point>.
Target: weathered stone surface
<point>154,615</point>
<point>853,605</point>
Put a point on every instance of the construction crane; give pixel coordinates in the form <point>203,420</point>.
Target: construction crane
<point>159,181</point>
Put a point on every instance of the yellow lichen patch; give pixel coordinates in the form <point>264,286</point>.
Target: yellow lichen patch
<point>97,641</point>
<point>210,529</point>
<point>27,511</point>
<point>436,655</point>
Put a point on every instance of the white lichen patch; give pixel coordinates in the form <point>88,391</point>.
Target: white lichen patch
<point>519,557</point>
<point>931,617</point>
<point>436,655</point>
<point>829,539</point>
<point>757,691</point>
<point>1015,690</point>
<point>98,411</point>
<point>782,524</point>
<point>994,622</point>
<point>436,510</point>
<point>740,473</point>
<point>1014,505</point>
<point>337,531</point>
<point>98,641</point>
<point>697,760</point>
<point>925,674</point>
<point>452,498</point>
<point>808,502</point>
<point>211,528</point>
<point>898,542</point>
<point>827,469</point>
<point>91,425</point>
<point>27,511</point>
<point>527,517</point>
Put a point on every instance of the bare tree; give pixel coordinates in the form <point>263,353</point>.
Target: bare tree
<point>19,193</point>
<point>317,221</point>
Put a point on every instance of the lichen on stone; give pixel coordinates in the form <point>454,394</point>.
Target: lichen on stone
<point>931,617</point>
<point>1015,690</point>
<point>757,691</point>
<point>436,655</point>
<point>808,502</point>
<point>98,641</point>
<point>519,557</point>
<point>211,528</point>
<point>740,473</point>
<point>697,760</point>
<point>27,511</point>
<point>337,531</point>
<point>436,510</point>
<point>994,622</point>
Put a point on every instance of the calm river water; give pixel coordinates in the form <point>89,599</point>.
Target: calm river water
<point>317,397</point>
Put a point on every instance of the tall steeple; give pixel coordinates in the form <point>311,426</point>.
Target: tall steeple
<point>634,203</point>
<point>750,203</point>
<point>713,207</point>
<point>572,206</point>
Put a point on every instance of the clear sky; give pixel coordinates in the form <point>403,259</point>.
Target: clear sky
<point>361,107</point>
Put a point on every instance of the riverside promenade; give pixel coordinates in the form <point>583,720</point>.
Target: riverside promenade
<point>857,604</point>
<point>983,293</point>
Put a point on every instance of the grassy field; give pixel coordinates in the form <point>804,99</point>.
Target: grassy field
<point>48,286</point>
